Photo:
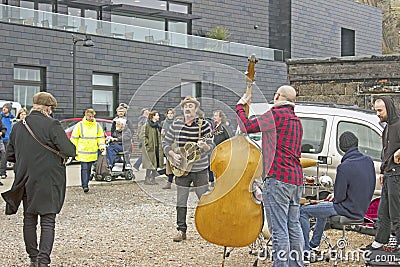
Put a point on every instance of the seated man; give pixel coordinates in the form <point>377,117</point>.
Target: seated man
<point>120,135</point>
<point>353,190</point>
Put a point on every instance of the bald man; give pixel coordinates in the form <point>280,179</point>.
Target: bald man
<point>281,146</point>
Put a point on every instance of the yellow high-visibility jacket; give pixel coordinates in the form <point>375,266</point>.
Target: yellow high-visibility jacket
<point>87,137</point>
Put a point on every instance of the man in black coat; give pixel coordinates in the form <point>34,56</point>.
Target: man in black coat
<point>40,175</point>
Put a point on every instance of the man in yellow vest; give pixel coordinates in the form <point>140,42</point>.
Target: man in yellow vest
<point>88,137</point>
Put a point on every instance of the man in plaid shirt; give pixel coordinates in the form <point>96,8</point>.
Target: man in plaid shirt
<point>281,147</point>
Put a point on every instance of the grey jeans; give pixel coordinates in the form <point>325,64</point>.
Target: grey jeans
<point>200,182</point>
<point>47,225</point>
<point>389,209</point>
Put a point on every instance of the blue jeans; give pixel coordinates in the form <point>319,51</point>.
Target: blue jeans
<point>321,212</point>
<point>112,151</point>
<point>86,168</point>
<point>282,205</point>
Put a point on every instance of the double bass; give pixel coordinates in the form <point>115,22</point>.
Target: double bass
<point>229,216</point>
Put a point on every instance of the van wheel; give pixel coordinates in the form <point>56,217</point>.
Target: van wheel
<point>98,177</point>
<point>108,178</point>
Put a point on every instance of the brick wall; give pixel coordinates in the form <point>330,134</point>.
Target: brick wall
<point>316,28</point>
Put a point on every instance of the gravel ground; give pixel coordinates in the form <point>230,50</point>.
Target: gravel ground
<point>125,223</point>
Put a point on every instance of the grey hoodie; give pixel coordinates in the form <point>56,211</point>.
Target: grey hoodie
<point>391,137</point>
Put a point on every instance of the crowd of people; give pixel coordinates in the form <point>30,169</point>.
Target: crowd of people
<point>30,139</point>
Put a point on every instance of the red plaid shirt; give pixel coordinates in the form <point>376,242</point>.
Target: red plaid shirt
<point>281,141</point>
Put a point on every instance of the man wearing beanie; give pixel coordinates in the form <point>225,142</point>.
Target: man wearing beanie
<point>353,190</point>
<point>6,119</point>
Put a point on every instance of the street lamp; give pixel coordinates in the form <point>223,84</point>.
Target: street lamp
<point>87,41</point>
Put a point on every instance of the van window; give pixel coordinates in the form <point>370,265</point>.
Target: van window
<point>369,141</point>
<point>313,135</point>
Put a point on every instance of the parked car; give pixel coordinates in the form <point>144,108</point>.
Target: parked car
<point>323,123</point>
<point>69,124</point>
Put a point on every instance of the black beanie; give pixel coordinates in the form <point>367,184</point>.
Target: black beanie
<point>347,140</point>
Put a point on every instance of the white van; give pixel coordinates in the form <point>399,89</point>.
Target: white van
<point>15,106</point>
<point>323,123</point>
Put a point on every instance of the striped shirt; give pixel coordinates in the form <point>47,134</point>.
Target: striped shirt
<point>181,133</point>
<point>281,141</point>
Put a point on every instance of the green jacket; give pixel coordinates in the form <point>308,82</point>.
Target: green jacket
<point>152,153</point>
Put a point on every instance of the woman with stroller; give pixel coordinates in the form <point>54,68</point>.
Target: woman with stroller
<point>119,141</point>
<point>152,153</point>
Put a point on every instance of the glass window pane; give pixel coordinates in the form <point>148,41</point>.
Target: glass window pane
<point>102,101</point>
<point>74,11</point>
<point>156,4</point>
<point>313,135</point>
<point>149,23</point>
<point>24,94</point>
<point>105,80</point>
<point>27,4</point>
<point>45,7</point>
<point>178,8</point>
<point>89,13</point>
<point>26,74</point>
<point>180,27</point>
<point>188,89</point>
<point>369,141</point>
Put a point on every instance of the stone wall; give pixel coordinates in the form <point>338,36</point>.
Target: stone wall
<point>347,80</point>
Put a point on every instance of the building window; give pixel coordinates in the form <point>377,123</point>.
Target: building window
<point>156,4</point>
<point>180,8</point>
<point>104,94</point>
<point>348,42</point>
<point>73,11</point>
<point>27,82</point>
<point>190,88</point>
<point>369,141</point>
<point>178,23</point>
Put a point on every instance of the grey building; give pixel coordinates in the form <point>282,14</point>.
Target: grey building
<point>152,53</point>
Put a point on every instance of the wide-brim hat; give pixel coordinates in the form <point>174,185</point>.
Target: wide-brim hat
<point>45,99</point>
<point>190,99</point>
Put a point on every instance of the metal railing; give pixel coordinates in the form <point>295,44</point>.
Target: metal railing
<point>43,19</point>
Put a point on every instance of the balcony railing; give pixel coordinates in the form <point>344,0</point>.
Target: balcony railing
<point>38,18</point>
